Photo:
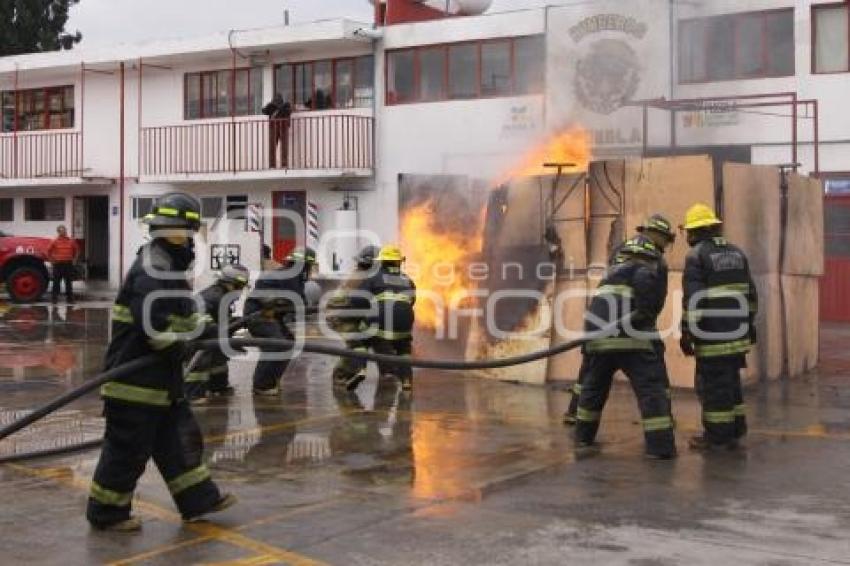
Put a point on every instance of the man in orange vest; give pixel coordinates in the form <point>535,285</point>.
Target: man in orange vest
<point>63,253</point>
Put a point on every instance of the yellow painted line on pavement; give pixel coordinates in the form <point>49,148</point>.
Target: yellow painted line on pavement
<point>65,477</point>
<point>159,551</point>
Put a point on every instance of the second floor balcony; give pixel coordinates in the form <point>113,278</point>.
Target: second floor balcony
<point>40,156</point>
<point>327,145</point>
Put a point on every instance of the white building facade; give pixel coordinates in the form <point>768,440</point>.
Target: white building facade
<point>90,138</point>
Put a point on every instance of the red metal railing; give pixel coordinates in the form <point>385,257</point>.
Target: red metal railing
<point>311,142</point>
<point>32,155</point>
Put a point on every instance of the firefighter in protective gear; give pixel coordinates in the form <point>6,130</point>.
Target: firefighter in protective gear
<point>277,298</point>
<point>393,295</point>
<point>348,308</point>
<point>660,231</point>
<point>720,304</point>
<point>632,287</point>
<point>146,414</point>
<point>209,377</point>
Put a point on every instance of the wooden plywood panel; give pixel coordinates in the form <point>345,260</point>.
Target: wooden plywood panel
<point>569,216</point>
<point>802,322</point>
<point>752,214</point>
<point>679,367</point>
<point>765,360</point>
<point>570,304</point>
<point>669,186</point>
<point>532,335</point>
<point>804,249</point>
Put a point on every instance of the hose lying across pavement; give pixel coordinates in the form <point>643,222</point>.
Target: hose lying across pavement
<point>269,344</point>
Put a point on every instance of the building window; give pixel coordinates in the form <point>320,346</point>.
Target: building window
<point>482,69</point>
<point>7,210</point>
<point>38,109</point>
<point>496,72</point>
<point>327,84</point>
<point>737,46</point>
<point>209,94</point>
<point>49,209</point>
<point>432,74</point>
<point>142,206</point>
<point>212,207</point>
<point>529,65</point>
<point>236,205</point>
<point>401,76</point>
<point>831,38</point>
<point>463,71</point>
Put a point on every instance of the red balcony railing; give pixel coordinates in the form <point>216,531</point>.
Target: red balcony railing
<point>302,142</point>
<point>33,155</point>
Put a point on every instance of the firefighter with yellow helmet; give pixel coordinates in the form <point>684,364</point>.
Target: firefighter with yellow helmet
<point>393,295</point>
<point>720,303</point>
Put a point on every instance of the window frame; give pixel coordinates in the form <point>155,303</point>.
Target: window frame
<point>135,212</point>
<point>278,68</point>
<point>737,75</point>
<point>814,34</point>
<point>56,90</point>
<point>27,215</point>
<point>222,206</point>
<point>417,50</point>
<point>11,201</point>
<point>232,95</point>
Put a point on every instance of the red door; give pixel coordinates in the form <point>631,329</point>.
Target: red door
<point>835,284</point>
<point>286,232</point>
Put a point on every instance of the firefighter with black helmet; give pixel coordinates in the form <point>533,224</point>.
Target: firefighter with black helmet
<point>660,232</point>
<point>634,288</point>
<point>392,294</point>
<point>720,304</point>
<point>348,309</point>
<point>146,414</point>
<point>277,299</point>
<point>209,377</point>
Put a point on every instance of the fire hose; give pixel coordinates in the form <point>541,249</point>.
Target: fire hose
<point>272,344</point>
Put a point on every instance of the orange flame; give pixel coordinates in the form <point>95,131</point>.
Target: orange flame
<point>438,261</point>
<point>569,146</point>
<point>439,258</point>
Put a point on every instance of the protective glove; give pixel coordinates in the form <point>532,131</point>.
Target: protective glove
<point>686,343</point>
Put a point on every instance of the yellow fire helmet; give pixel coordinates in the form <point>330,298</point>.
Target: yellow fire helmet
<point>391,253</point>
<point>700,216</point>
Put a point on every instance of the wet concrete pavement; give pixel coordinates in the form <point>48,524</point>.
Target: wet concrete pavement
<point>464,471</point>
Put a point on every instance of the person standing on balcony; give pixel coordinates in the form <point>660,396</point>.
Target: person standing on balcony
<point>63,253</point>
<point>279,113</point>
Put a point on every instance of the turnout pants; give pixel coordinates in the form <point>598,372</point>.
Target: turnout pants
<point>403,348</point>
<point>648,376</point>
<point>575,390</point>
<point>63,271</point>
<point>718,386</point>
<point>349,367</point>
<point>268,373</point>
<point>210,374</point>
<point>134,435</point>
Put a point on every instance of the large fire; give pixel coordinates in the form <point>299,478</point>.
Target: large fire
<point>569,146</point>
<point>437,259</point>
<point>439,255</point>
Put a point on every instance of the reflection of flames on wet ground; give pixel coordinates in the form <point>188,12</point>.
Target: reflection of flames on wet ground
<point>441,240</point>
